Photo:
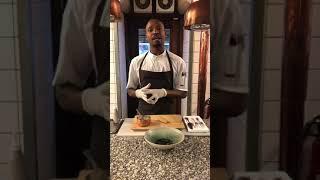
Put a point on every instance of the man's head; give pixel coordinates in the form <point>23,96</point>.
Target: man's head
<point>155,33</point>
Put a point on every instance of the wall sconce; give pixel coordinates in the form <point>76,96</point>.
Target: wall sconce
<point>197,16</point>
<point>115,11</point>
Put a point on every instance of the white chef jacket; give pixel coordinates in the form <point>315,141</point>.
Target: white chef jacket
<point>77,54</point>
<point>158,63</point>
<point>231,66</point>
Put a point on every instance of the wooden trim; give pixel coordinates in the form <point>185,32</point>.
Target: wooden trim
<point>203,63</point>
<point>295,58</point>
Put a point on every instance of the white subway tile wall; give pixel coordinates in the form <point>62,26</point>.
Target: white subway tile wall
<point>4,171</point>
<point>315,53</point>
<point>185,57</point>
<point>270,146</point>
<point>7,53</point>
<point>113,82</point>
<point>10,91</point>
<point>273,53</point>
<point>9,116</point>
<point>6,19</point>
<point>315,19</point>
<point>5,141</point>
<point>274,19</point>
<point>269,166</point>
<point>271,84</point>
<point>313,89</point>
<point>271,116</point>
<point>312,105</point>
<point>312,109</point>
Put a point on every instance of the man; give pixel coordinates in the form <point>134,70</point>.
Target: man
<point>81,82</point>
<point>158,75</point>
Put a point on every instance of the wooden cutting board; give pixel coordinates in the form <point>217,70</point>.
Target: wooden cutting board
<point>170,120</point>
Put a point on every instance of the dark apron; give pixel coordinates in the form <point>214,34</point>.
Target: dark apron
<point>99,134</point>
<point>157,80</point>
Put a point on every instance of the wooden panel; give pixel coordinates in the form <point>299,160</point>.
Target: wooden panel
<point>294,82</point>
<point>203,63</point>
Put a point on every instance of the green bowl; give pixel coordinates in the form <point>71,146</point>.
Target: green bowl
<point>164,137</point>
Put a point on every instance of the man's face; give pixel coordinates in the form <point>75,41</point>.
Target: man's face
<point>155,33</point>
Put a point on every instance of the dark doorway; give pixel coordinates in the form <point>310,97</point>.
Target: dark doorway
<point>135,23</point>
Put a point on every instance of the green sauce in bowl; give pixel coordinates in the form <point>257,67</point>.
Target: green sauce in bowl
<point>164,137</point>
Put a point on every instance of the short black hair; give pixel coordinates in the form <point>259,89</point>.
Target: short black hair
<point>155,19</point>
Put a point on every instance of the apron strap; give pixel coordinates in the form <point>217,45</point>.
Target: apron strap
<point>171,69</point>
<point>141,67</point>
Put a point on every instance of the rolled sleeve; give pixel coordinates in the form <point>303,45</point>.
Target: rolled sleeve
<point>133,79</point>
<point>181,78</point>
<point>75,58</point>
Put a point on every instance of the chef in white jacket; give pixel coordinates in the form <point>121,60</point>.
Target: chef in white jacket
<point>81,78</point>
<point>230,67</point>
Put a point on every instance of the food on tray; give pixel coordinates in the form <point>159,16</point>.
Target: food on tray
<point>143,120</point>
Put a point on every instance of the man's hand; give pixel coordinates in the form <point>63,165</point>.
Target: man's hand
<point>156,94</point>
<point>95,101</point>
<point>141,93</point>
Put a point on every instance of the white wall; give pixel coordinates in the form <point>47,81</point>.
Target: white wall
<point>113,84</point>
<point>271,84</point>
<point>185,57</point>
<point>312,105</point>
<point>10,94</point>
<point>271,79</point>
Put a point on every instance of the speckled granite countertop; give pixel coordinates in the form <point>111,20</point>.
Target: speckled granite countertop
<point>132,158</point>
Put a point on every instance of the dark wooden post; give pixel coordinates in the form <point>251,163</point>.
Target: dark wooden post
<point>203,63</point>
<point>294,83</point>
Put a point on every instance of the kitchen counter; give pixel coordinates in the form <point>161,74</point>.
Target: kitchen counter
<point>132,158</point>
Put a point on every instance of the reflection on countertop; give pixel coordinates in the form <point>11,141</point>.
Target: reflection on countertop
<point>133,158</point>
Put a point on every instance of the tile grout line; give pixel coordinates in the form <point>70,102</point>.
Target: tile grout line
<point>313,100</point>
<point>17,128</point>
<point>6,37</point>
<point>9,69</point>
<point>270,132</point>
<point>9,133</point>
<point>7,3</point>
<point>10,101</point>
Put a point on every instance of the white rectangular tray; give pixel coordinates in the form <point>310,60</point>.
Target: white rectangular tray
<point>196,128</point>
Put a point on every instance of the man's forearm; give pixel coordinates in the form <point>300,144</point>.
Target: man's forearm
<point>176,93</point>
<point>132,92</point>
<point>69,98</point>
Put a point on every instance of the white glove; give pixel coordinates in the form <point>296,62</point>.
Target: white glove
<point>155,95</point>
<point>95,101</point>
<point>140,93</point>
